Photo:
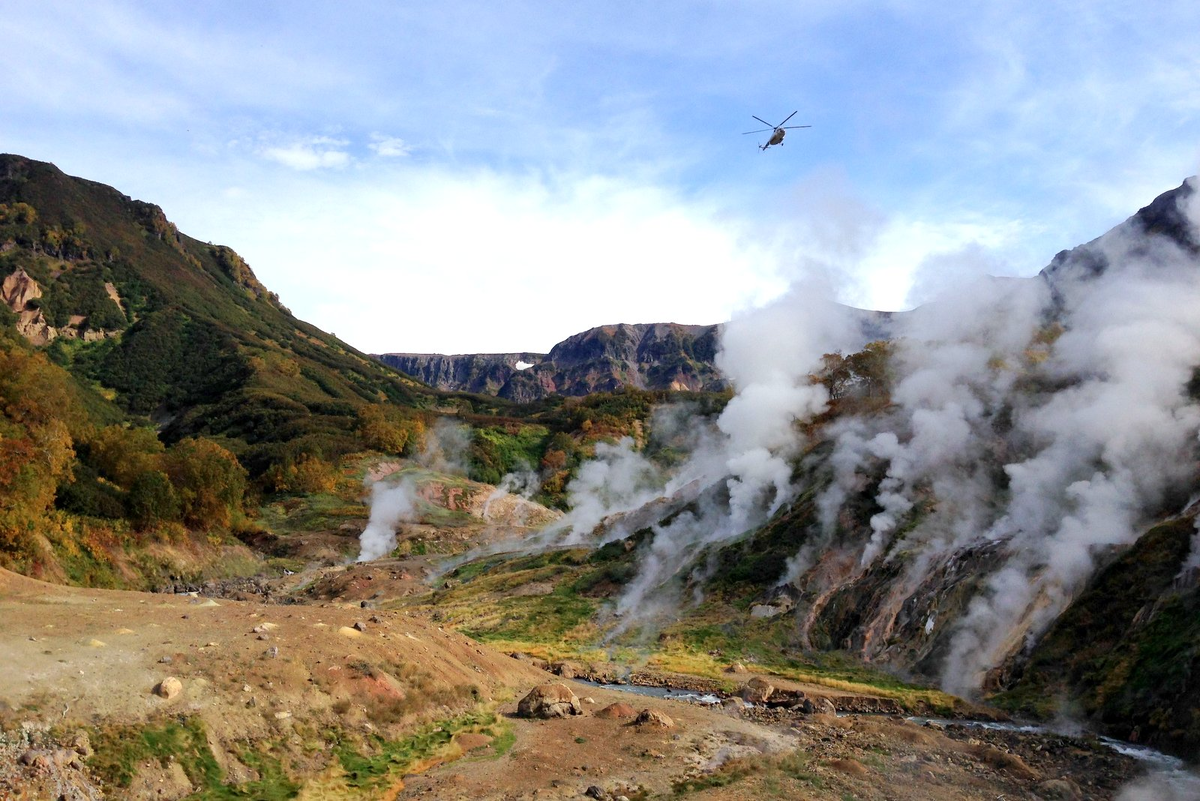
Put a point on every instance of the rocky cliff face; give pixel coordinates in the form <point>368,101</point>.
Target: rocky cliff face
<point>654,356</point>
<point>483,373</point>
<point>22,295</point>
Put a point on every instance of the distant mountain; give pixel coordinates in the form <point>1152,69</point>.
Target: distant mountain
<point>654,356</point>
<point>1162,223</point>
<point>658,356</point>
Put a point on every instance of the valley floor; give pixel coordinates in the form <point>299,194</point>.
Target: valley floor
<point>269,682</point>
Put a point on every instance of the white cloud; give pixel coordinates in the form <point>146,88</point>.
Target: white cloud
<point>318,152</point>
<point>420,259</point>
<point>389,146</point>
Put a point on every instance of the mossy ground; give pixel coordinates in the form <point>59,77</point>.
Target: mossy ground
<point>119,750</point>
<point>362,767</point>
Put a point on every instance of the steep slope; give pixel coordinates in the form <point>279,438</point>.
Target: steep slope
<point>182,330</point>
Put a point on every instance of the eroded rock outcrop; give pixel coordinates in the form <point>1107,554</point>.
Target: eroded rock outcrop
<point>21,293</point>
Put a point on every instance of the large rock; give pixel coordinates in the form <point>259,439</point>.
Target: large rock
<point>652,718</point>
<point>168,688</point>
<point>757,690</point>
<point>550,700</point>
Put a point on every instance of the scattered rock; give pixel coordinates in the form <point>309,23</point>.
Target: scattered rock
<point>166,660</point>
<point>168,688</point>
<point>82,744</point>
<point>1060,790</point>
<point>1002,760</point>
<point>736,667</point>
<point>283,715</point>
<point>617,711</point>
<point>360,626</point>
<point>551,700</point>
<point>654,719</point>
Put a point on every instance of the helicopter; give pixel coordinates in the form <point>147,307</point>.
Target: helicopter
<point>777,131</point>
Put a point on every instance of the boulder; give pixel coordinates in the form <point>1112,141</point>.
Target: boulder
<point>168,688</point>
<point>818,706</point>
<point>757,690</point>
<point>654,719</point>
<point>617,711</point>
<point>568,670</point>
<point>550,700</point>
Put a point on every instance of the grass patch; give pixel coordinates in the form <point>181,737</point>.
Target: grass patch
<point>384,760</point>
<point>731,772</point>
<point>119,750</point>
<point>318,512</point>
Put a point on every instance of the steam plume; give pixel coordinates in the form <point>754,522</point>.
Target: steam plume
<point>391,504</point>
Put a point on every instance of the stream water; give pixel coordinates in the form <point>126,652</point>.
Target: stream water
<point>673,693</point>
<point>1169,778</point>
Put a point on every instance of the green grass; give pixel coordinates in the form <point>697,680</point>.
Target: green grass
<point>120,750</point>
<point>384,760</point>
<point>319,512</point>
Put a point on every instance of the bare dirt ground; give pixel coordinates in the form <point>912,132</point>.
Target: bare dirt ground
<point>261,672</point>
<point>251,671</point>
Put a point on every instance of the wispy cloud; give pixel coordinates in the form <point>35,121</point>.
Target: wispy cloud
<point>389,146</point>
<point>313,153</point>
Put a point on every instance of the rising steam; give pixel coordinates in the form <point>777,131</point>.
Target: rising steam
<point>1048,419</point>
<point>391,504</point>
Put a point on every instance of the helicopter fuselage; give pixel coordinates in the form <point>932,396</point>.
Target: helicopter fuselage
<point>776,138</point>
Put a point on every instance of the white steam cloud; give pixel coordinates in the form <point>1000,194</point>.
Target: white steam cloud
<point>745,462</point>
<point>1079,399</point>
<point>1173,785</point>
<point>391,504</point>
<point>446,449</point>
<point>1046,419</point>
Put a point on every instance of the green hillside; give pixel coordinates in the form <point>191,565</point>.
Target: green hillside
<point>179,393</point>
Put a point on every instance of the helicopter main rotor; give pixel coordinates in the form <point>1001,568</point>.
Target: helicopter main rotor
<point>777,131</point>
<point>783,126</point>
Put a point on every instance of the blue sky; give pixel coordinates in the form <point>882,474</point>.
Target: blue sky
<point>485,177</point>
